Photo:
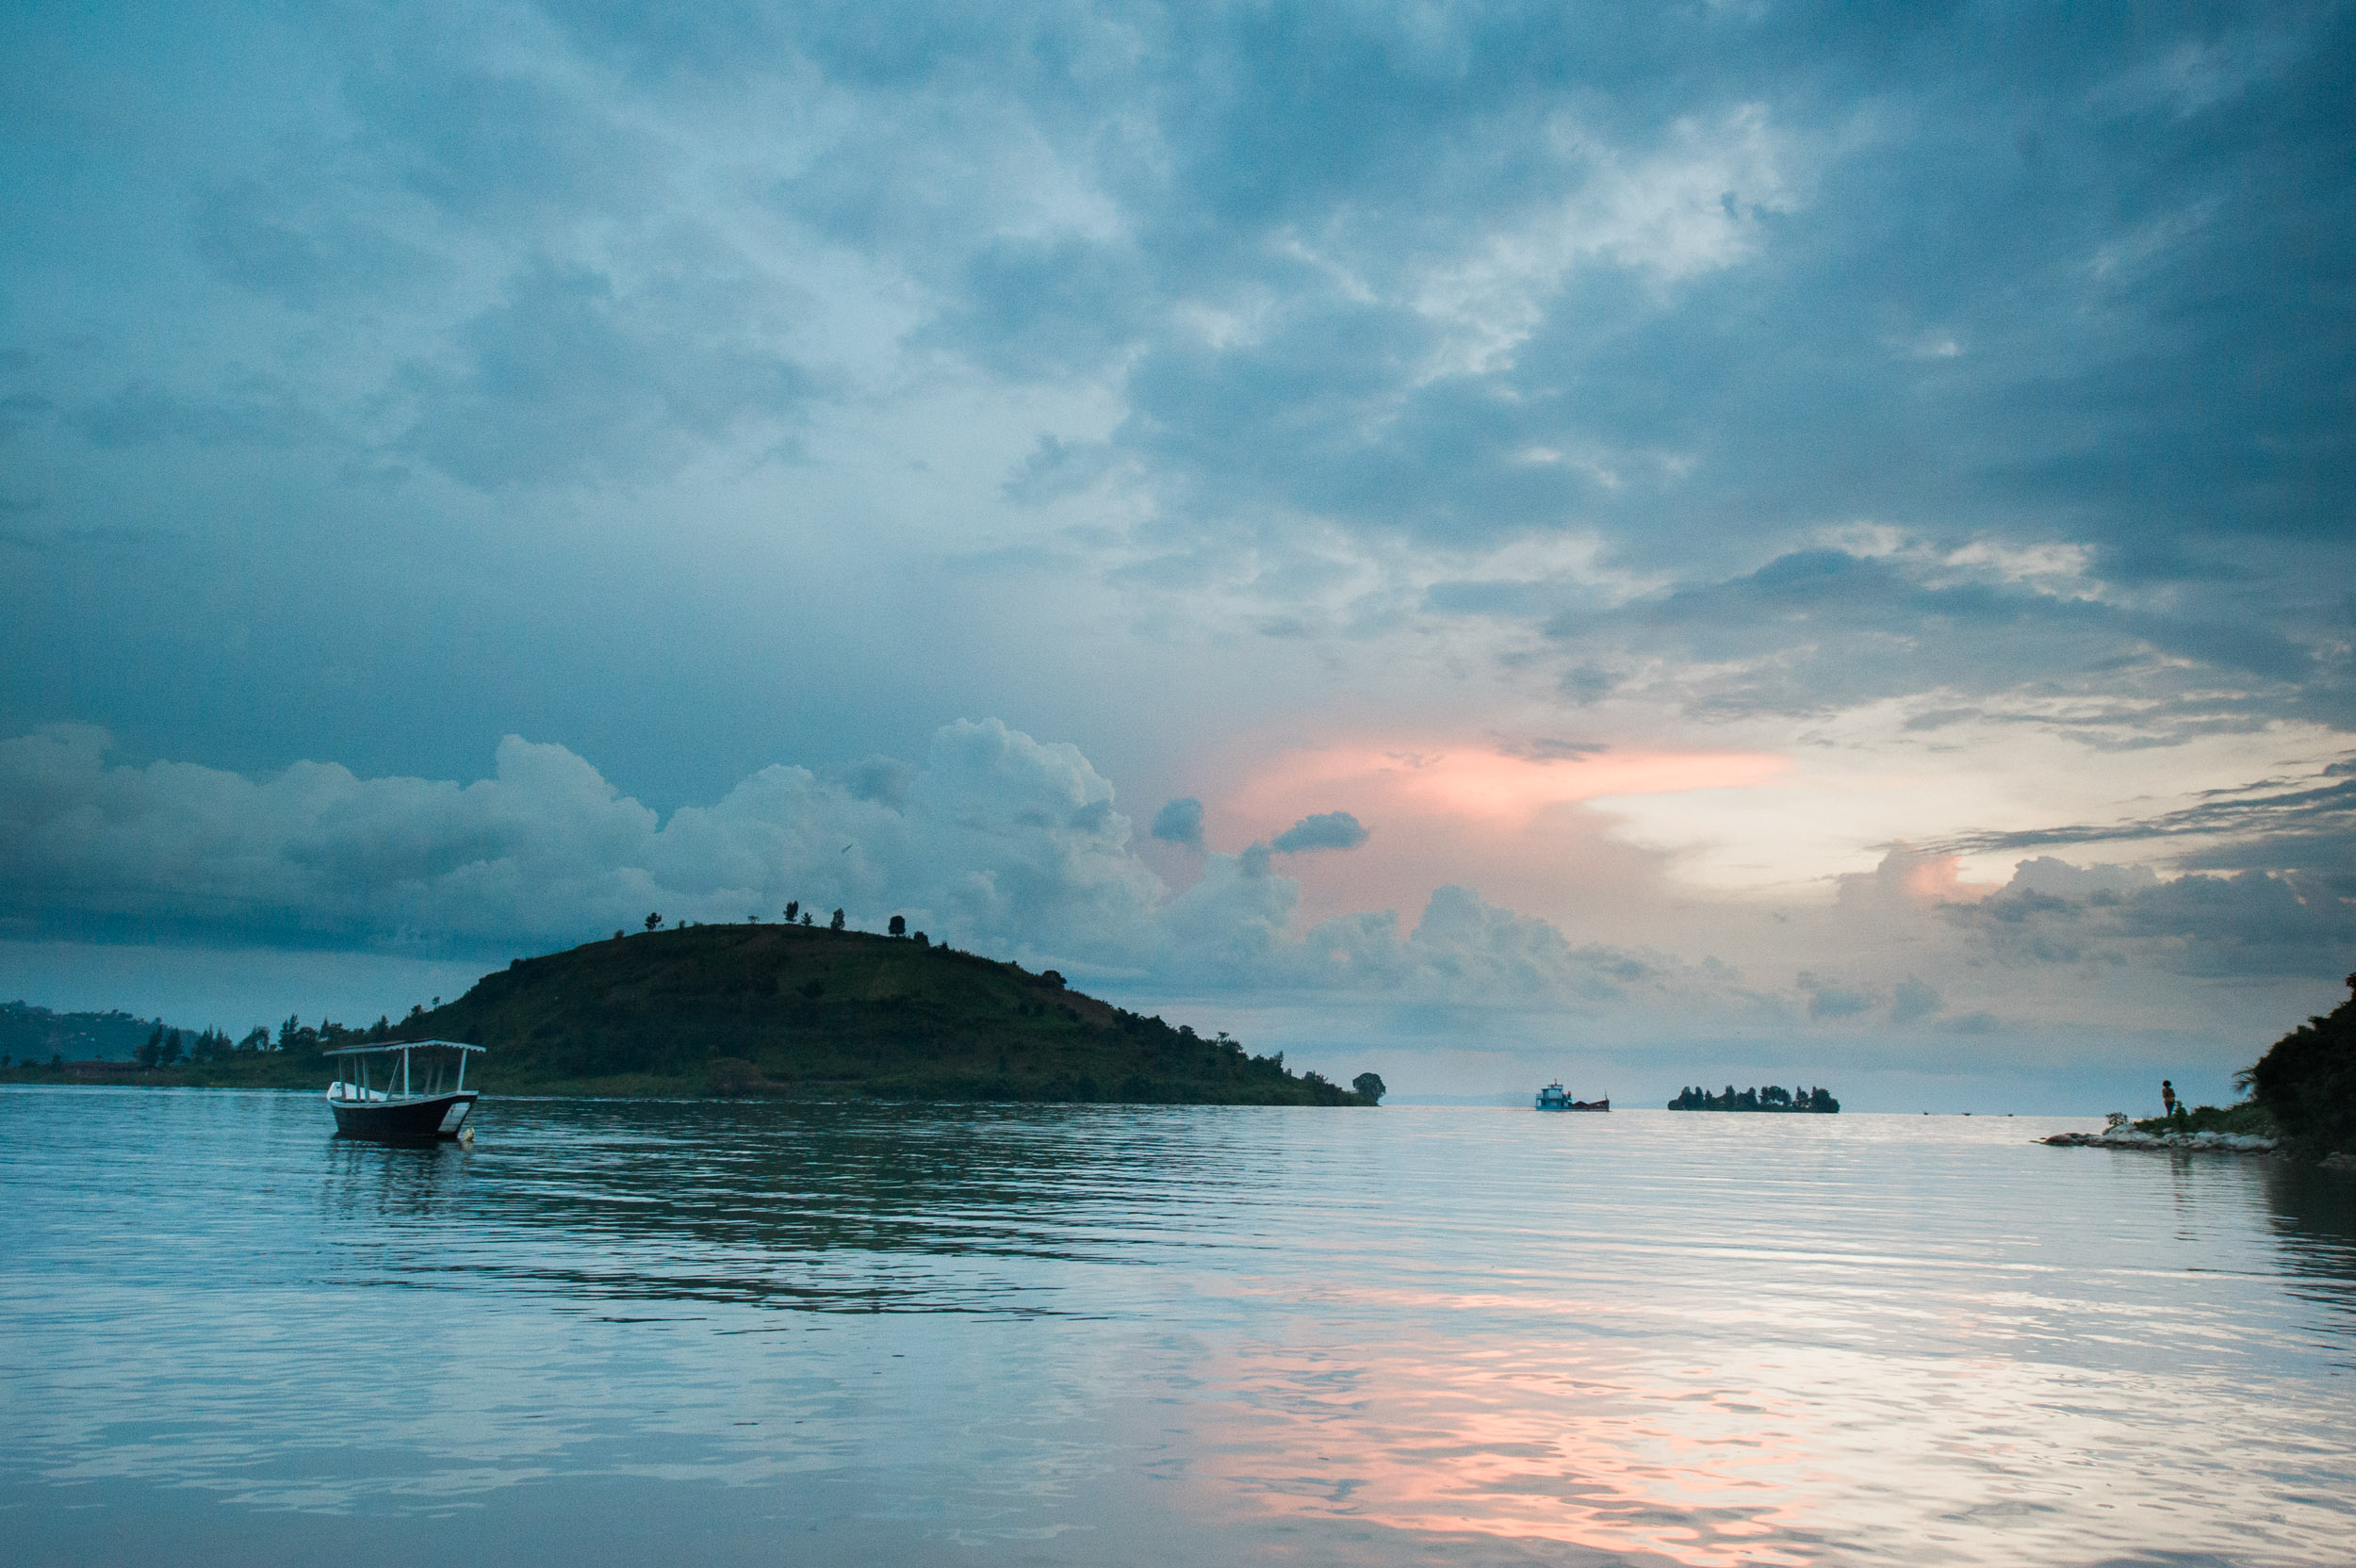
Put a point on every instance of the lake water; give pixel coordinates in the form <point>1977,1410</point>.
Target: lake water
<point>636,1331</point>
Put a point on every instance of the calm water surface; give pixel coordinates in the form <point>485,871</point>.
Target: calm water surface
<point>623,1331</point>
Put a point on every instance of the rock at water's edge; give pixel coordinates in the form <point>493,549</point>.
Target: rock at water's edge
<point>2215,1143</point>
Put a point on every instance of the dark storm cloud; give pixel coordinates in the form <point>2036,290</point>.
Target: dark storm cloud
<point>2037,279</point>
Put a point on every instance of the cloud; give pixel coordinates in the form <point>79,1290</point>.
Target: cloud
<point>2248,925</point>
<point>242,234</point>
<point>571,380</point>
<point>1543,749</point>
<point>998,839</point>
<point>1913,1000</point>
<point>1759,380</point>
<point>1180,822</point>
<point>1320,830</point>
<point>2314,820</point>
<point>1827,1001</point>
<point>1464,947</point>
<point>995,841</point>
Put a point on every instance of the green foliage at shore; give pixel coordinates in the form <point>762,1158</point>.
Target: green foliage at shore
<point>1775,1097</point>
<point>790,1011</point>
<point>2248,1117</point>
<point>2307,1081</point>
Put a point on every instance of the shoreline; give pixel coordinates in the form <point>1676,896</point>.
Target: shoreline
<point>2130,1137</point>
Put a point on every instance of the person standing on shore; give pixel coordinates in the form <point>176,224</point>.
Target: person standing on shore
<point>2167,1098</point>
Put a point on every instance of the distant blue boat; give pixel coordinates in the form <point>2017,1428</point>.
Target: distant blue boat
<point>1554,1097</point>
<point>423,1096</point>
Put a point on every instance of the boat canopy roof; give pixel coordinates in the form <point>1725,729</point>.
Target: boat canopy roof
<point>399,1045</point>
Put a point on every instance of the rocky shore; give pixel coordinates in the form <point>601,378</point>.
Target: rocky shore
<point>2130,1137</point>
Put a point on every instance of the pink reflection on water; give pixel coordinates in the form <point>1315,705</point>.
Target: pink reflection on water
<point>1416,1441</point>
<point>1723,1457</point>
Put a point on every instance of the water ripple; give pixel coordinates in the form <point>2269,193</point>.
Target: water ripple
<point>1054,1335</point>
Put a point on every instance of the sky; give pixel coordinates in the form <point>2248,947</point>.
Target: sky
<point>1648,544</point>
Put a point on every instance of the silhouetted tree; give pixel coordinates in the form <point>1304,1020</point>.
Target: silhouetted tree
<point>153,1052</point>
<point>792,907</point>
<point>899,926</point>
<point>2307,1079</point>
<point>1370,1085</point>
<point>805,916</point>
<point>654,923</point>
<point>836,924</point>
<point>1052,979</point>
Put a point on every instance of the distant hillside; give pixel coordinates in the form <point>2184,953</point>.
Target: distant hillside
<point>808,1012</point>
<point>36,1033</point>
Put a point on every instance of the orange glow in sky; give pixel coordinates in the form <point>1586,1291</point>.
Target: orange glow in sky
<point>1478,782</point>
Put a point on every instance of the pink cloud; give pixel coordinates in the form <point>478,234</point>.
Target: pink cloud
<point>1524,830</point>
<point>1481,784</point>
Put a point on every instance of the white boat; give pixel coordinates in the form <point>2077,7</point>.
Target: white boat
<point>424,1094</point>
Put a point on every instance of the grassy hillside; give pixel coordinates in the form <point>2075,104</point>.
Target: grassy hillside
<point>805,1012</point>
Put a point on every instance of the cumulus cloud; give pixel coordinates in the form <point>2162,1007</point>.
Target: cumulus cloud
<point>1464,947</point>
<point>996,841</point>
<point>1320,830</point>
<point>1180,822</point>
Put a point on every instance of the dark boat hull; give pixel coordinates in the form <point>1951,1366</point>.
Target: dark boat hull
<point>403,1120</point>
<point>1581,1105</point>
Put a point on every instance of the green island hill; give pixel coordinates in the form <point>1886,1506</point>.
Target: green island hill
<point>788,1012</point>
